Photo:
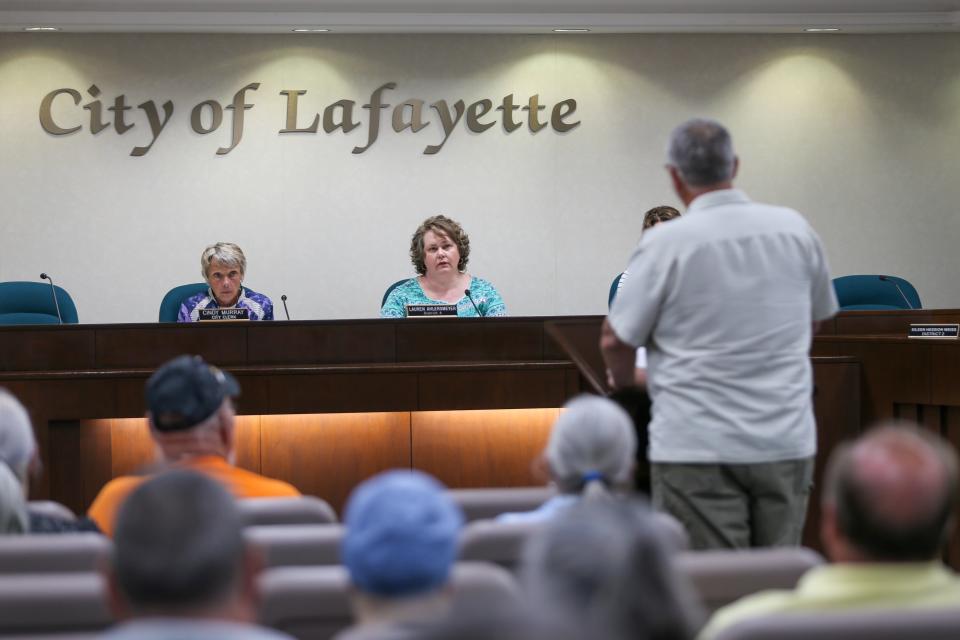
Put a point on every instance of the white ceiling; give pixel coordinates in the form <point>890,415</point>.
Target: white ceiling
<point>483,16</point>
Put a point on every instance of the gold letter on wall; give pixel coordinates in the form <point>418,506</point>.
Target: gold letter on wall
<point>46,116</point>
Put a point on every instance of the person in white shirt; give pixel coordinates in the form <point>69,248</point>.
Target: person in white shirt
<point>725,300</point>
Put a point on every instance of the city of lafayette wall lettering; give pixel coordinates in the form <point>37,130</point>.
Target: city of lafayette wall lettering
<point>343,115</point>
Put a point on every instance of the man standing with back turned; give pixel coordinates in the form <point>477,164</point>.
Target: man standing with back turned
<point>725,300</point>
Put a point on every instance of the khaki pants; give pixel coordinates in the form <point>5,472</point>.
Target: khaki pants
<point>734,506</point>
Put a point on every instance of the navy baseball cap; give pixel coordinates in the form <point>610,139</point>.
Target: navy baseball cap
<point>186,391</point>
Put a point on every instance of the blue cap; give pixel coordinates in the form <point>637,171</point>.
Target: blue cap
<point>402,534</point>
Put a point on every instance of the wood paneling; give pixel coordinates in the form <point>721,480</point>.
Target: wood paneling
<point>328,342</point>
<point>131,445</point>
<point>469,339</point>
<point>944,361</point>
<point>492,389</point>
<point>892,322</point>
<point>149,346</point>
<point>80,461</point>
<point>893,370</point>
<point>361,392</point>
<point>481,448</point>
<point>328,455</point>
<point>836,406</point>
<point>248,443</point>
<point>46,349</point>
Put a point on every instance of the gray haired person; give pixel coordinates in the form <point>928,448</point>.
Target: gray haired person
<point>605,570</point>
<point>19,456</point>
<point>180,566</point>
<point>725,300</point>
<point>590,455</point>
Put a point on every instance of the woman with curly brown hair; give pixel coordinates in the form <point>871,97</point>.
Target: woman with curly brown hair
<point>439,251</point>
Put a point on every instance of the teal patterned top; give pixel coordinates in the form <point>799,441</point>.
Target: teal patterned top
<point>410,292</point>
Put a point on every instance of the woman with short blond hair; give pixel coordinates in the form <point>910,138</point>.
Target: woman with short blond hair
<point>223,266</point>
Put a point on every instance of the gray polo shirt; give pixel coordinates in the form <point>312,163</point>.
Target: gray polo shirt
<point>724,298</point>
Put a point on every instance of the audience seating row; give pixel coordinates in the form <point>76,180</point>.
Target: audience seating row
<point>309,600</point>
<point>280,544</point>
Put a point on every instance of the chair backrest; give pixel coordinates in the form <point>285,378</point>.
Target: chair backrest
<point>48,603</point>
<point>32,303</point>
<point>872,624</point>
<point>870,292</point>
<point>497,542</point>
<point>483,504</point>
<point>302,510</point>
<point>721,577</point>
<point>386,294</point>
<point>47,553</point>
<point>613,290</point>
<point>297,544</point>
<point>52,509</point>
<point>314,602</point>
<point>672,531</point>
<point>170,305</point>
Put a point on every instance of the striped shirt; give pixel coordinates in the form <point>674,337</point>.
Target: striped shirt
<point>259,305</point>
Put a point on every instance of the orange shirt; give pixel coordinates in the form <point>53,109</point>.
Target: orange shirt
<point>240,482</point>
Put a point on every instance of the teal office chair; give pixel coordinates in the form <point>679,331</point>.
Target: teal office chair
<point>386,294</point>
<point>613,290</point>
<point>865,292</point>
<point>32,303</point>
<point>170,305</point>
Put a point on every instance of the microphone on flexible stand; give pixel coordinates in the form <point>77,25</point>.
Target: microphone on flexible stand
<point>283,299</point>
<point>470,297</point>
<point>53,290</point>
<point>894,283</point>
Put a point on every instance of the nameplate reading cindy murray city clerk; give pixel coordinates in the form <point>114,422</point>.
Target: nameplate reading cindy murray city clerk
<point>431,310</point>
<point>224,314</point>
<point>930,331</point>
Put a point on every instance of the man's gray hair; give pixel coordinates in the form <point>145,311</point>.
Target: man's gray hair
<point>178,544</point>
<point>17,442</point>
<point>702,151</point>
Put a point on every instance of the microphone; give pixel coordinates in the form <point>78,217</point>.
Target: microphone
<point>53,291</point>
<point>894,283</point>
<point>283,299</point>
<point>467,293</point>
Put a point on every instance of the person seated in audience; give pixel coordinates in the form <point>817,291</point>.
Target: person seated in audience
<point>439,250</point>
<point>402,532</point>
<point>18,454</point>
<point>590,455</point>
<point>889,506</point>
<point>180,567</point>
<point>13,506</point>
<point>192,423</point>
<point>223,266</point>
<point>604,570</point>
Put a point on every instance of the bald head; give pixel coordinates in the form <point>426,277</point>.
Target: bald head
<point>894,493</point>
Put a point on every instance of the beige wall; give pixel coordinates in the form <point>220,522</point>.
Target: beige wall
<point>860,133</point>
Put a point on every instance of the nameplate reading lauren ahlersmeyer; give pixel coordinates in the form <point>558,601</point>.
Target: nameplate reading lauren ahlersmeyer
<point>431,310</point>
<point>934,331</point>
<point>224,314</point>
<point>511,113</point>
